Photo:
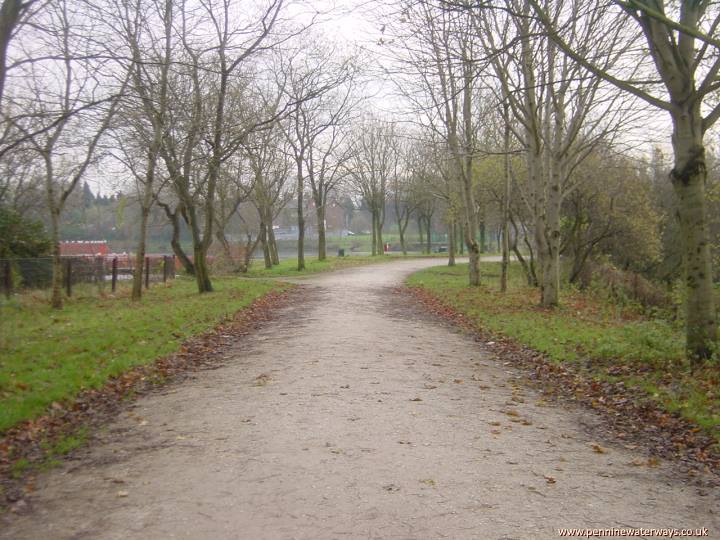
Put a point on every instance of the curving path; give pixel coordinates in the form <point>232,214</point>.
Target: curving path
<point>353,415</point>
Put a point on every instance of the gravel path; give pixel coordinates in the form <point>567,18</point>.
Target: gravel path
<point>353,415</point>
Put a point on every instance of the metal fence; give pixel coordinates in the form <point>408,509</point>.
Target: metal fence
<point>18,275</point>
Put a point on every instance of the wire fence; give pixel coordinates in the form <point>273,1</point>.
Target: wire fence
<point>103,273</point>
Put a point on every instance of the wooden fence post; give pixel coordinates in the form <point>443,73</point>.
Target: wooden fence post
<point>7,278</point>
<point>147,272</point>
<point>165,268</point>
<point>114,274</point>
<point>68,277</point>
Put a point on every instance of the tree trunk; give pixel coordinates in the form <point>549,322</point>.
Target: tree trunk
<point>57,277</point>
<point>140,253</point>
<point>550,285</point>
<point>373,216</point>
<point>402,227</point>
<point>265,246</point>
<point>461,235</point>
<point>380,244</point>
<point>202,274</point>
<point>428,238</point>
<point>451,243</point>
<point>506,206</point>
<point>177,247</point>
<point>420,233</point>
<point>272,242</point>
<point>322,245</point>
<point>301,218</point>
<point>688,177</point>
<point>483,237</point>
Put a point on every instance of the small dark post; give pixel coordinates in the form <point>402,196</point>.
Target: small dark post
<point>114,274</point>
<point>166,263</point>
<point>172,267</point>
<point>68,277</point>
<point>7,278</point>
<point>147,272</point>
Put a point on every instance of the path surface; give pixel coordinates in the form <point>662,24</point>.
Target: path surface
<point>353,416</point>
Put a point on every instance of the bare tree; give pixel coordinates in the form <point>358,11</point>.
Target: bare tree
<point>684,54</point>
<point>370,170</point>
<point>67,80</point>
<point>321,87</point>
<point>440,50</point>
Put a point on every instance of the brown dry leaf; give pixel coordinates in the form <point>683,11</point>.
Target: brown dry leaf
<point>512,412</point>
<point>653,462</point>
<point>416,399</point>
<point>549,479</point>
<point>598,449</point>
<point>495,423</point>
<point>262,380</point>
<point>457,381</point>
<point>526,422</point>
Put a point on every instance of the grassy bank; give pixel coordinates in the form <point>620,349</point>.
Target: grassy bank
<point>49,356</point>
<point>590,333</point>
<point>288,267</point>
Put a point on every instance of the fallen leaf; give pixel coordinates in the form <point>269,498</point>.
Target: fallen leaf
<point>598,449</point>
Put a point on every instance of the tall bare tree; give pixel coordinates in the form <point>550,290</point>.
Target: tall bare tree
<point>684,56</point>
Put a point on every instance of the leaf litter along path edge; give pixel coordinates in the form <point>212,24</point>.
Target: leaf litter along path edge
<point>30,442</point>
<point>355,413</point>
<point>629,418</point>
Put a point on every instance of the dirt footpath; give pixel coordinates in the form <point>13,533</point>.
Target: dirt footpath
<point>353,416</point>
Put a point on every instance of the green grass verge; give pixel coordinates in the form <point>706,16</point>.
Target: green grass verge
<point>288,267</point>
<point>48,356</point>
<point>588,331</point>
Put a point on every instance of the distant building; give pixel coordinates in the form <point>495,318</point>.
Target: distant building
<point>84,248</point>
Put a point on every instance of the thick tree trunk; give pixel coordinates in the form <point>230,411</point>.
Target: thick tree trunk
<point>272,242</point>
<point>374,233</point>
<point>550,285</point>
<point>57,277</point>
<point>202,273</point>
<point>187,264</point>
<point>140,254</point>
<point>688,178</point>
<point>451,243</point>
<point>402,229</point>
<point>380,244</point>
<point>265,246</point>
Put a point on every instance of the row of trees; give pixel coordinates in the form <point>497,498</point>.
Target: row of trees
<point>519,109</point>
<point>554,87</point>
